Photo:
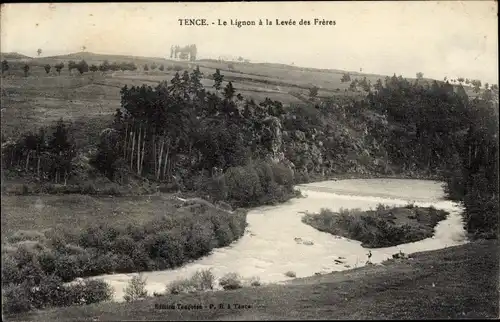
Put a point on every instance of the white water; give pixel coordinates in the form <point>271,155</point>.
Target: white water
<point>268,248</point>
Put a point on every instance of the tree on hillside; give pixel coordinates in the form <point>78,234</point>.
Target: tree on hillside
<point>378,85</point>
<point>229,91</point>
<point>39,51</point>
<point>5,66</point>
<point>47,68</point>
<point>460,80</point>
<point>104,66</point>
<point>93,68</point>
<point>72,65</point>
<point>353,85</point>
<point>26,69</point>
<point>486,85</point>
<point>153,66</point>
<point>59,67</point>
<point>420,75</point>
<point>162,68</point>
<point>82,67</point>
<point>313,92</point>
<point>477,85</point>
<point>218,78</point>
<point>345,78</point>
<point>467,81</point>
<point>146,68</point>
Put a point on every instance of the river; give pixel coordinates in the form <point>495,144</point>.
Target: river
<point>268,249</point>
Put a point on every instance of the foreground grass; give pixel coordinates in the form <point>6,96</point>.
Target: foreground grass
<point>456,282</point>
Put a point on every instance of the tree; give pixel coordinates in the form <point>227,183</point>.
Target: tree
<point>5,66</point>
<point>477,85</point>
<point>39,51</point>
<point>460,80</point>
<point>82,67</point>
<point>104,67</point>
<point>486,85</point>
<point>59,67</point>
<point>162,68</point>
<point>153,66</point>
<point>420,75</point>
<point>378,85</point>
<point>72,65</point>
<point>146,68</point>
<point>353,85</point>
<point>26,69</point>
<point>47,68</point>
<point>229,91</point>
<point>93,68</point>
<point>313,92</point>
<point>345,78</point>
<point>218,78</point>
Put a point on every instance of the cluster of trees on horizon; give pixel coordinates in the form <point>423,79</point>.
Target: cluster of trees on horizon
<point>185,53</point>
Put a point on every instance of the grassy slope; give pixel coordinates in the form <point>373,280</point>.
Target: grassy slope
<point>465,286</point>
<point>77,211</point>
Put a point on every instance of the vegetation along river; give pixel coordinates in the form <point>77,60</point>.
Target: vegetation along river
<point>270,246</point>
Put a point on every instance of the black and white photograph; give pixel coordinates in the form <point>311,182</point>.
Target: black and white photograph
<point>294,160</point>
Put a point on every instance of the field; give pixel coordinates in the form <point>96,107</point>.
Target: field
<point>77,211</point>
<point>451,283</point>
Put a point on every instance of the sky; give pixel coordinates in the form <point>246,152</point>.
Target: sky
<point>438,38</point>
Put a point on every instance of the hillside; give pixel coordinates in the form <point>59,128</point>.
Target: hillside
<point>14,56</point>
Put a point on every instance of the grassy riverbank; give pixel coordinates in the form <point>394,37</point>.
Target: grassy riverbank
<point>382,227</point>
<point>456,282</point>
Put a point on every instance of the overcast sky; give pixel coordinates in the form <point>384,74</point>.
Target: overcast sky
<point>449,38</point>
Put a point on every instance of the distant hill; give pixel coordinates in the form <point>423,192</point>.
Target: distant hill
<point>101,57</point>
<point>14,56</point>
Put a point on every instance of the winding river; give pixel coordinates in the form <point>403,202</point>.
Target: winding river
<point>269,249</point>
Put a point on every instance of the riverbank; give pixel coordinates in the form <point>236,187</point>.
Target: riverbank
<point>455,282</point>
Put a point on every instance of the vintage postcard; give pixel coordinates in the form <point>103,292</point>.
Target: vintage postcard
<point>249,160</point>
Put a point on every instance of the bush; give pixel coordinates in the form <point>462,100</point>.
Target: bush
<point>290,274</point>
<point>16,298</point>
<point>255,281</point>
<point>135,289</point>
<point>181,286</point>
<point>231,281</point>
<point>90,291</point>
<point>205,280</point>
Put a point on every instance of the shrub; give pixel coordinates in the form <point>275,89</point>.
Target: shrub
<point>135,289</point>
<point>231,281</point>
<point>90,291</point>
<point>243,185</point>
<point>290,274</point>
<point>181,286</point>
<point>255,281</point>
<point>204,279</point>
<point>16,298</point>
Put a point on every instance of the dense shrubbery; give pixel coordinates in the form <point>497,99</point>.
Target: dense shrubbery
<point>377,228</point>
<point>50,291</point>
<point>250,185</point>
<point>166,242</point>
